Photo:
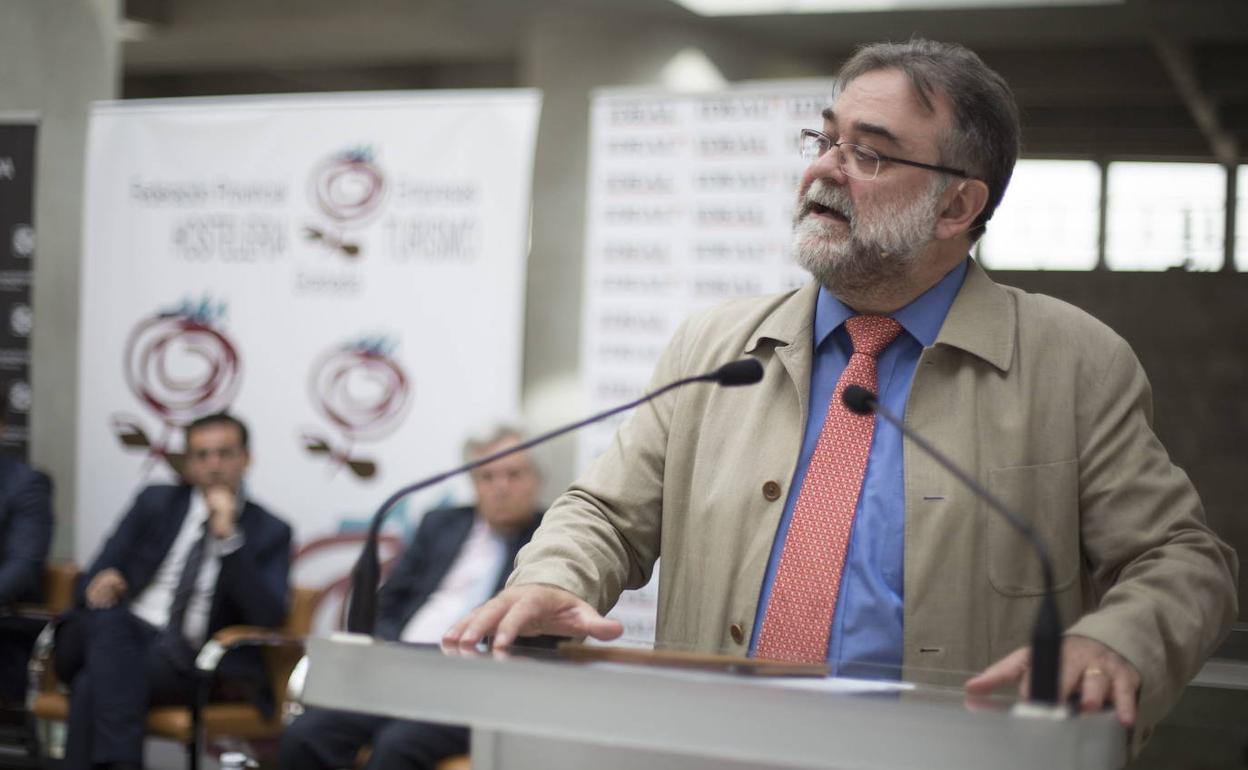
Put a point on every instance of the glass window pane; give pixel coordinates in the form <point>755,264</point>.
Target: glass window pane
<point>1047,220</point>
<point>1241,220</point>
<point>1164,215</point>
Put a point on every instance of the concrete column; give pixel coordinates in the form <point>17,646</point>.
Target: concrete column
<point>56,57</point>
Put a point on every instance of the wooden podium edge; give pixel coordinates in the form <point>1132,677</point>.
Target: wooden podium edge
<point>586,653</point>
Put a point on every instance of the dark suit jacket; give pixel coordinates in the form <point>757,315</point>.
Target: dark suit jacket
<point>251,587</point>
<point>426,561</point>
<point>25,530</point>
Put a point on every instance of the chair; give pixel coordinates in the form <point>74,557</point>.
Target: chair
<point>19,725</point>
<point>58,593</point>
<point>193,726</point>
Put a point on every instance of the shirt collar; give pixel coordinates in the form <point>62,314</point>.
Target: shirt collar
<point>922,318</point>
<point>197,508</point>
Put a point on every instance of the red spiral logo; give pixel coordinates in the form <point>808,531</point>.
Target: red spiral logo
<point>181,368</point>
<point>348,187</point>
<point>360,390</point>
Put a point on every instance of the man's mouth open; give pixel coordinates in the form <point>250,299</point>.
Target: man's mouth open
<point>828,213</point>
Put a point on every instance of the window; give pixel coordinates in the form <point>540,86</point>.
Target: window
<point>1165,215</point>
<point>1047,220</point>
<point>1241,219</point>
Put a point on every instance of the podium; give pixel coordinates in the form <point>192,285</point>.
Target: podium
<point>540,711</point>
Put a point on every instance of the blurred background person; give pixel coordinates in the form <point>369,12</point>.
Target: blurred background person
<point>458,558</point>
<point>25,535</point>
<point>186,561</point>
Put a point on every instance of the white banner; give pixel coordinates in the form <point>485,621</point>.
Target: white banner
<point>690,203</point>
<point>344,272</point>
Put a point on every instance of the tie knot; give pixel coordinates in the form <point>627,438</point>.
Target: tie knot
<point>872,333</point>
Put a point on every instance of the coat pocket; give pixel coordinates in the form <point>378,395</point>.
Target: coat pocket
<point>1047,497</point>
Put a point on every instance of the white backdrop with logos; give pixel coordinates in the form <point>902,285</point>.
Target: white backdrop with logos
<point>345,272</point>
<point>690,203</point>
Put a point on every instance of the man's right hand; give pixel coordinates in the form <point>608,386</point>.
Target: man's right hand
<point>105,589</point>
<point>531,610</point>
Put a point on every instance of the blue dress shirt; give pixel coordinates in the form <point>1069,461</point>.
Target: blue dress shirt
<point>866,638</point>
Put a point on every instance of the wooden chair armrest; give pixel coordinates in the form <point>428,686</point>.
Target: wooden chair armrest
<point>254,636</point>
<point>233,637</point>
<point>27,612</point>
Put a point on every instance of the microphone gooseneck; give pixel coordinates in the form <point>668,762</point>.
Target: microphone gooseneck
<point>366,575</point>
<point>1046,636</point>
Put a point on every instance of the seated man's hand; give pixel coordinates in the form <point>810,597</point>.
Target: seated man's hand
<point>531,610</point>
<point>1099,674</point>
<point>105,589</point>
<point>222,510</point>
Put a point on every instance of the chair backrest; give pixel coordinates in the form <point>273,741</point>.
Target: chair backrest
<point>58,586</point>
<point>303,603</point>
<point>282,660</point>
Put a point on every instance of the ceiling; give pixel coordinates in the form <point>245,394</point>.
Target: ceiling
<point>1143,79</point>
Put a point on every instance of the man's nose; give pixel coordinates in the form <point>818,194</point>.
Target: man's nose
<point>501,485</point>
<point>829,166</point>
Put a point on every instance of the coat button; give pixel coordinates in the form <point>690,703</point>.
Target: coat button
<point>737,633</point>
<point>771,490</point>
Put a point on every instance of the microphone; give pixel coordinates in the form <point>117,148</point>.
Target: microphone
<point>746,371</point>
<point>366,575</point>
<point>1046,638</point>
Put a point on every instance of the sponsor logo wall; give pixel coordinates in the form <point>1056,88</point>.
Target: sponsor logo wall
<point>344,272</point>
<point>690,203</point>
<point>17,264</point>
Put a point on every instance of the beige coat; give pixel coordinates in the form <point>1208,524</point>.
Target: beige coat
<point>1037,400</point>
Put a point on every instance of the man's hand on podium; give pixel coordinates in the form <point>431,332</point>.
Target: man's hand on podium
<point>531,610</point>
<point>1100,676</point>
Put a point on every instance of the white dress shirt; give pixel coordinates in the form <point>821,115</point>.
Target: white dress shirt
<point>156,601</point>
<point>469,582</point>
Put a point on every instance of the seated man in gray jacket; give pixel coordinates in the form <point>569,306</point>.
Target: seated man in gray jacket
<point>458,558</point>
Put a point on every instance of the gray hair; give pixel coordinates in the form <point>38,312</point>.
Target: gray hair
<point>479,440</point>
<point>985,133</point>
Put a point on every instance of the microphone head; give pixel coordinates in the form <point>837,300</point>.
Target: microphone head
<point>859,399</point>
<point>747,371</point>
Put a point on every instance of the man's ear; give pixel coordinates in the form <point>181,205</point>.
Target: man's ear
<point>966,203</point>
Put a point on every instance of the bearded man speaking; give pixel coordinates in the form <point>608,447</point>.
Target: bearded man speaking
<point>793,529</point>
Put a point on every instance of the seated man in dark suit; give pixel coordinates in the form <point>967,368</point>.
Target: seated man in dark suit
<point>458,558</point>
<point>186,561</point>
<point>25,534</point>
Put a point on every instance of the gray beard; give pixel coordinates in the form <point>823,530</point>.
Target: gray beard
<point>878,255</point>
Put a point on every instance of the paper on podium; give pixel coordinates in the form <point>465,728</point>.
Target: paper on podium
<point>797,676</point>
<point>837,684</point>
<point>679,659</point>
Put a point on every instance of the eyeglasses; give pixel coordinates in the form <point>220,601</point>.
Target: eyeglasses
<point>857,160</point>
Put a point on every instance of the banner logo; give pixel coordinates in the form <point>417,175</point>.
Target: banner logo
<point>181,366</point>
<point>21,320</point>
<point>363,391</point>
<point>23,241</point>
<point>19,397</point>
<point>348,189</point>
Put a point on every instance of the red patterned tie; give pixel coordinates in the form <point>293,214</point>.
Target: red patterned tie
<point>803,596</point>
